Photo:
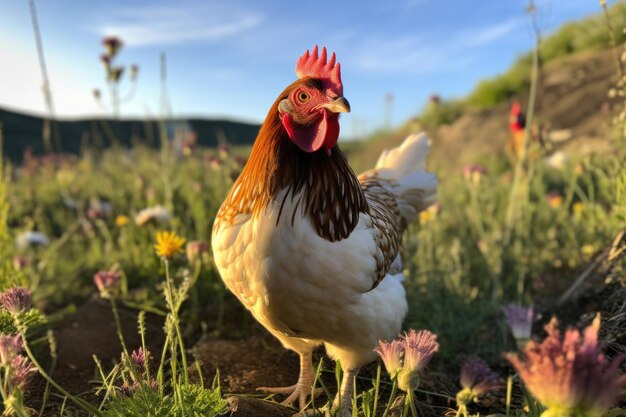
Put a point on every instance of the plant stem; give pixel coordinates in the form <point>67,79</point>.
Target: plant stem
<point>174,311</point>
<point>394,390</point>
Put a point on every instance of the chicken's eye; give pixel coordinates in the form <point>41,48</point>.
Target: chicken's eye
<point>303,96</point>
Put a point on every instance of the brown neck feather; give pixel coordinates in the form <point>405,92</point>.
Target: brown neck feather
<point>327,189</point>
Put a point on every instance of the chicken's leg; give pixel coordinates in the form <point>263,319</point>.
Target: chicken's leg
<point>343,400</point>
<point>302,389</point>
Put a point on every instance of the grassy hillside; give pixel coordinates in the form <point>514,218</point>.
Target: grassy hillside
<point>25,131</point>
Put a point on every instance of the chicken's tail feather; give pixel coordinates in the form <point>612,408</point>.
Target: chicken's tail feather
<point>405,168</point>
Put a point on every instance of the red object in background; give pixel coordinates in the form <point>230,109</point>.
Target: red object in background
<point>517,119</point>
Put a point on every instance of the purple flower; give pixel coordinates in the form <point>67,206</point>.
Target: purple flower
<point>112,45</point>
<point>21,370</point>
<point>419,348</point>
<point>16,299</point>
<point>570,374</point>
<point>477,379</point>
<point>520,321</point>
<point>391,354</point>
<point>107,283</point>
<point>139,359</point>
<point>10,347</point>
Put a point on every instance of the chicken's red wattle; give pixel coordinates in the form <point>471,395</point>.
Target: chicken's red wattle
<point>323,133</point>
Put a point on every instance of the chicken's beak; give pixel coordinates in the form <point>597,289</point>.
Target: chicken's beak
<point>338,105</point>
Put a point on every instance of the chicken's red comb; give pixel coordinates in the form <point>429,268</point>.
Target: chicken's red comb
<point>310,65</point>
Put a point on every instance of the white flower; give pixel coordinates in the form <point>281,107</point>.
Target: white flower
<point>30,238</point>
<point>157,213</point>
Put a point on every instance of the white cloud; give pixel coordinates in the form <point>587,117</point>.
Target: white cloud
<point>181,23</point>
<point>483,36</point>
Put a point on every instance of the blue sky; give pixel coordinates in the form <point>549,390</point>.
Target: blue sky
<point>232,58</point>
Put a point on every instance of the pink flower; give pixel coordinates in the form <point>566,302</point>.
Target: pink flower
<point>520,321</point>
<point>407,357</point>
<point>140,358</point>
<point>391,354</point>
<point>10,347</point>
<point>419,348</point>
<point>570,374</point>
<point>477,379</point>
<point>474,173</point>
<point>16,299</point>
<point>107,282</point>
<point>195,250</point>
<point>21,371</point>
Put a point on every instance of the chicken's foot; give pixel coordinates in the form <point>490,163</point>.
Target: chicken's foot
<point>301,391</point>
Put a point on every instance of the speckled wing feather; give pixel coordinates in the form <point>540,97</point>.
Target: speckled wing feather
<point>396,190</point>
<point>386,220</point>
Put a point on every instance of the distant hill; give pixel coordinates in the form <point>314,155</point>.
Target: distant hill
<point>22,131</point>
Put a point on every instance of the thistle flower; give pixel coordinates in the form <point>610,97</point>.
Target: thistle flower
<point>107,283</point>
<point>474,173</point>
<point>21,371</point>
<point>391,354</point>
<point>16,299</point>
<point>195,250</point>
<point>158,214</point>
<point>112,44</point>
<point>419,348</point>
<point>168,244</point>
<point>570,375</point>
<point>10,347</point>
<point>405,358</point>
<point>520,321</point>
<point>106,61</point>
<point>477,379</point>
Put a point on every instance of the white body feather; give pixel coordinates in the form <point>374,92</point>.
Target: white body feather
<point>306,290</point>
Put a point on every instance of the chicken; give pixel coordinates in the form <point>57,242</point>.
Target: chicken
<point>312,250</point>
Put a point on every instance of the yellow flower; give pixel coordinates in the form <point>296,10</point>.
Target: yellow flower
<point>168,244</point>
<point>578,207</point>
<point>121,220</point>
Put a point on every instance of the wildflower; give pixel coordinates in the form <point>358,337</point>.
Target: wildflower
<point>391,354</point>
<point>21,370</point>
<point>106,61</point>
<point>16,300</point>
<point>554,200</point>
<point>474,173</point>
<point>419,348</point>
<point>30,238</point>
<point>10,347</point>
<point>520,321</point>
<point>157,214</point>
<point>20,262</point>
<point>570,375</point>
<point>121,220</point>
<point>112,45</point>
<point>168,244</point>
<point>477,379</point>
<point>115,74</point>
<point>195,249</point>
<point>140,359</point>
<point>134,70</point>
<point>578,207</point>
<point>108,283</point>
<point>428,215</point>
